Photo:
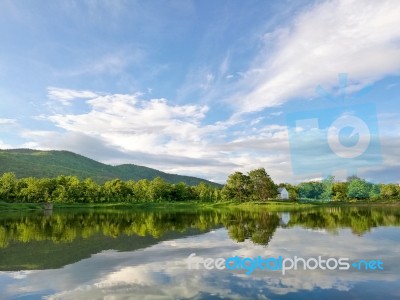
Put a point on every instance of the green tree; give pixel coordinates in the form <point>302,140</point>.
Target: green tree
<point>339,191</point>
<point>90,191</point>
<point>159,190</point>
<point>182,192</point>
<point>389,191</point>
<point>327,183</point>
<point>130,186</point>
<point>206,193</point>
<point>141,190</point>
<point>311,190</point>
<point>38,190</point>
<point>68,189</point>
<point>8,184</point>
<point>358,189</point>
<point>375,192</point>
<point>115,190</point>
<point>237,187</point>
<point>262,187</point>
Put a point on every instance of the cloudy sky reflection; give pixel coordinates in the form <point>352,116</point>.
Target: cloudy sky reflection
<point>160,271</point>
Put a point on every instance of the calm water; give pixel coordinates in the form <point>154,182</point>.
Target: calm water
<point>143,255</point>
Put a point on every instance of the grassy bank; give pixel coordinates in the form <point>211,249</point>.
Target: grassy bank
<point>270,205</point>
<point>142,206</point>
<point>20,206</point>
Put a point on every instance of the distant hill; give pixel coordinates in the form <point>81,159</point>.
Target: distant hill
<point>37,163</point>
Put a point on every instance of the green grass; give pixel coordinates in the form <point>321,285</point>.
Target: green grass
<point>169,205</point>
<point>19,206</point>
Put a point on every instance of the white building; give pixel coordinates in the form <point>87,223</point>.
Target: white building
<point>283,194</point>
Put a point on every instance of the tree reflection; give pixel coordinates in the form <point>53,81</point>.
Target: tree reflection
<point>359,219</point>
<point>257,226</point>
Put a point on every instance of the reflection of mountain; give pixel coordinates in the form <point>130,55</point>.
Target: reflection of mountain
<point>35,241</point>
<point>40,242</point>
<point>50,255</point>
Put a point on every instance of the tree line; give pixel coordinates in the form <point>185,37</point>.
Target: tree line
<point>354,188</point>
<point>69,189</point>
<point>256,185</point>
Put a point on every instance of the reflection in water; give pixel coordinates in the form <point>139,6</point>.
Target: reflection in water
<point>258,226</point>
<point>152,247</point>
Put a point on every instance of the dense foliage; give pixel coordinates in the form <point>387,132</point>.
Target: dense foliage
<point>257,185</point>
<point>69,189</point>
<point>353,189</point>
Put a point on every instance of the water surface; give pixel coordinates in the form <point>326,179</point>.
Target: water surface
<point>92,254</point>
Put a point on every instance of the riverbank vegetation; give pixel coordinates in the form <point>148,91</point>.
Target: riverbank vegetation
<point>253,187</point>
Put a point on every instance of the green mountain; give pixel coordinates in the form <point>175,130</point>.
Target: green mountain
<point>37,163</point>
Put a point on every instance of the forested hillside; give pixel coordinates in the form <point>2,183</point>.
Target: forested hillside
<point>50,164</point>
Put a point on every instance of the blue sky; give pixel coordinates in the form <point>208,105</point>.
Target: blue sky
<point>205,88</point>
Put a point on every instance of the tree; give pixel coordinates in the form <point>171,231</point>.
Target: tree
<point>182,192</point>
<point>358,189</point>
<point>375,192</point>
<point>339,191</point>
<point>70,191</point>
<point>261,185</point>
<point>389,191</point>
<point>38,190</point>
<point>91,190</point>
<point>159,190</point>
<point>328,188</point>
<point>237,187</point>
<point>204,192</point>
<point>130,187</point>
<point>114,190</point>
<point>311,190</point>
<point>352,177</point>
<point>8,184</point>
<point>141,190</point>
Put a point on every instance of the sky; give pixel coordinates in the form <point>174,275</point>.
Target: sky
<point>305,89</point>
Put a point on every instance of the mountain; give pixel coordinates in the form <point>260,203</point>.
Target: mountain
<point>37,163</point>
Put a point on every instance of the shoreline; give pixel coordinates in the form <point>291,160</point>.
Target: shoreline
<point>273,205</point>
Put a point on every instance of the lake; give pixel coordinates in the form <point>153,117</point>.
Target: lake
<point>346,253</point>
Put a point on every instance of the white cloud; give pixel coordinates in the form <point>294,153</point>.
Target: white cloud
<point>133,124</point>
<point>8,122</point>
<point>167,137</point>
<point>65,96</point>
<point>357,37</point>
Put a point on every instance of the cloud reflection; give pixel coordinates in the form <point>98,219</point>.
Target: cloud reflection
<point>160,271</point>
